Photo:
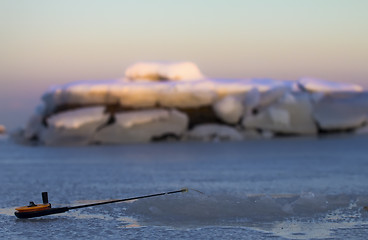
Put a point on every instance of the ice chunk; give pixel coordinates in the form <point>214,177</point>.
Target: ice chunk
<point>77,118</point>
<point>341,111</point>
<point>256,100</point>
<point>142,126</point>
<point>164,71</point>
<point>211,132</point>
<point>229,109</point>
<point>290,115</point>
<point>318,85</point>
<point>75,127</point>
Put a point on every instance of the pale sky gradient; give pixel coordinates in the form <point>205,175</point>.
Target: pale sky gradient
<point>48,42</point>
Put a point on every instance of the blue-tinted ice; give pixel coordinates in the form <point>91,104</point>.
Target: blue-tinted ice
<point>297,188</point>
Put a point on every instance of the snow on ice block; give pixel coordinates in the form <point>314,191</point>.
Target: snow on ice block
<point>132,94</point>
<point>80,93</point>
<point>273,106</point>
<point>229,109</point>
<point>75,127</point>
<point>142,126</point>
<point>138,94</point>
<point>187,94</point>
<point>318,85</point>
<point>214,132</point>
<point>343,111</point>
<point>224,87</point>
<point>292,114</point>
<point>164,71</point>
<point>168,94</point>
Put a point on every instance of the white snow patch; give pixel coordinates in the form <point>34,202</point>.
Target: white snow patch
<point>81,92</point>
<point>164,71</point>
<point>137,94</point>
<point>188,94</point>
<point>318,85</point>
<point>224,87</point>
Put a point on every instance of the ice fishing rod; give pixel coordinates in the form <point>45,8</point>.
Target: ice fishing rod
<point>38,210</point>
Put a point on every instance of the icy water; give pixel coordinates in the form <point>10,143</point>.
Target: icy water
<point>295,188</point>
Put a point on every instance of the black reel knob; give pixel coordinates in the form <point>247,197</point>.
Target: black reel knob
<point>45,198</point>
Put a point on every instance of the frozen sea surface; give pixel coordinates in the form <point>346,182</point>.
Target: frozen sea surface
<point>294,188</point>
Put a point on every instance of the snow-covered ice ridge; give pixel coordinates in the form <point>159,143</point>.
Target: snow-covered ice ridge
<point>156,101</point>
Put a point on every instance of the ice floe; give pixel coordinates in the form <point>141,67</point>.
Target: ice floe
<point>156,100</point>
